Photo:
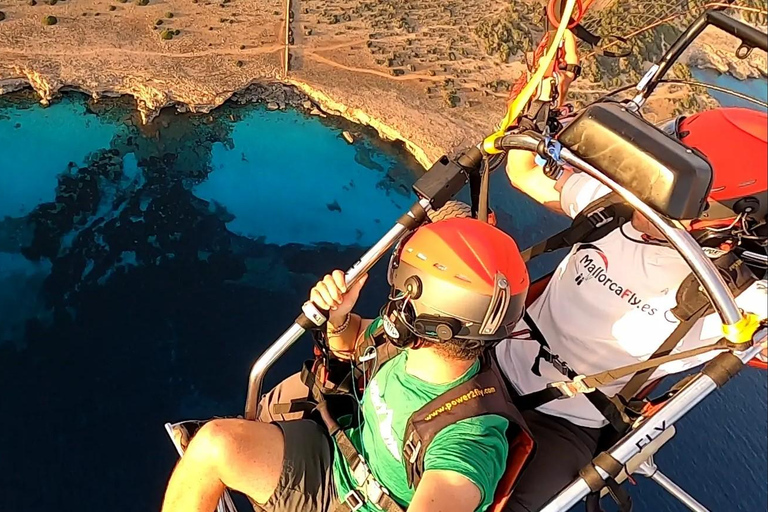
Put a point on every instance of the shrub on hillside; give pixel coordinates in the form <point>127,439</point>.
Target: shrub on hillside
<point>2,15</point>
<point>50,20</point>
<point>166,34</point>
<point>142,2</point>
<point>510,32</point>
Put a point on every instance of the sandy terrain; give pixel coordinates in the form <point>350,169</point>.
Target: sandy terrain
<point>432,73</point>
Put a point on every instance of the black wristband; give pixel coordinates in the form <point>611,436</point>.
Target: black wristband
<point>571,68</point>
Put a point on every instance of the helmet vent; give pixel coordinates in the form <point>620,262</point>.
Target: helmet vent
<point>462,277</point>
<point>747,183</point>
<point>497,309</point>
<point>421,256</point>
<point>440,266</point>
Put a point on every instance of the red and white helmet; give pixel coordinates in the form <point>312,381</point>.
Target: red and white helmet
<point>735,142</point>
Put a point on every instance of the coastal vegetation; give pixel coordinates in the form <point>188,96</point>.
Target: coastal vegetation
<point>513,32</point>
<point>50,20</point>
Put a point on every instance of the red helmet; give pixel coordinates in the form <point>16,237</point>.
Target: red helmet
<point>735,141</point>
<point>457,278</point>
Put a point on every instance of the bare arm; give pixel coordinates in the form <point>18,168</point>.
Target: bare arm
<point>333,295</point>
<point>445,491</point>
<point>529,178</point>
<point>571,57</point>
<point>522,170</point>
<point>343,345</point>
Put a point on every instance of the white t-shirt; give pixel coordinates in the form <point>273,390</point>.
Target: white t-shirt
<point>608,305</point>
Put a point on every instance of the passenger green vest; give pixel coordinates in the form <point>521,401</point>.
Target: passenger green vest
<point>476,448</point>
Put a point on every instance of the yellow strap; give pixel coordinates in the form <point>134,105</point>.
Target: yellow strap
<point>742,331</point>
<point>519,104</point>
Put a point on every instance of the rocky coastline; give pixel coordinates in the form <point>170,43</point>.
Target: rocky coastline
<point>439,106</point>
<point>274,94</point>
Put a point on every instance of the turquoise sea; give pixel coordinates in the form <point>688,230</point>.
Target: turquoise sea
<point>142,270</point>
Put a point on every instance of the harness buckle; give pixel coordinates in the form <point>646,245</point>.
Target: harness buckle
<point>599,218</point>
<point>560,365</point>
<point>353,500</point>
<point>553,359</point>
<point>360,472</point>
<point>414,449</point>
<point>569,389</point>
<point>374,491</point>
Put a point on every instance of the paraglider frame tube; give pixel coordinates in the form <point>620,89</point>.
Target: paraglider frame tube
<point>714,375</point>
<point>444,180</point>
<point>448,180</point>
<point>750,38</point>
<point>290,336</point>
<point>653,426</point>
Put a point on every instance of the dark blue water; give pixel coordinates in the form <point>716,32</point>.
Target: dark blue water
<point>142,272</point>
<point>754,88</point>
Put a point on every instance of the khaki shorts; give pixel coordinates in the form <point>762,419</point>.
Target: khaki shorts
<point>289,389</point>
<point>306,482</point>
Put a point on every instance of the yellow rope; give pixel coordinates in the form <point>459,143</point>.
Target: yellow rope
<point>519,104</point>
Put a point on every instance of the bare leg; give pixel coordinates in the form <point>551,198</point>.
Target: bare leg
<point>244,455</point>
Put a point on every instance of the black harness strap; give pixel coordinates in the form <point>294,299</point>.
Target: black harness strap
<point>596,483</point>
<point>692,306</point>
<point>369,490</point>
<point>608,409</point>
<point>596,221</point>
<point>638,380</point>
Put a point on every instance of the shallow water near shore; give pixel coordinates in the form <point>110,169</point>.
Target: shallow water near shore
<point>142,272</point>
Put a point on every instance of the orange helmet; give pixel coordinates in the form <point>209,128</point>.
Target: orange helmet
<point>735,142</point>
<point>458,278</point>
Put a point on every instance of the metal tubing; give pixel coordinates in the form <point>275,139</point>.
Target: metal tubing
<point>650,428</point>
<point>675,490</point>
<point>263,363</point>
<point>750,36</point>
<point>294,332</point>
<point>657,72</point>
<point>755,257</point>
<point>702,268</point>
